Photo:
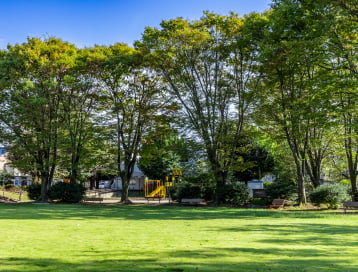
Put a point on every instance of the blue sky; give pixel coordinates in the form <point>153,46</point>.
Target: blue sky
<point>103,22</point>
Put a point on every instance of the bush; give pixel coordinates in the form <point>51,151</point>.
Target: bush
<point>345,181</point>
<point>330,194</point>
<point>259,201</point>
<point>34,191</point>
<point>208,192</point>
<point>67,192</point>
<point>235,193</point>
<point>205,177</point>
<point>281,189</point>
<point>187,190</point>
<point>173,192</point>
<point>9,187</point>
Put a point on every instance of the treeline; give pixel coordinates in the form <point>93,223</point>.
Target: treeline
<point>287,77</point>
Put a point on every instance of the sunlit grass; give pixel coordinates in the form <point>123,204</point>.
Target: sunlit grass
<point>15,195</point>
<point>165,238</point>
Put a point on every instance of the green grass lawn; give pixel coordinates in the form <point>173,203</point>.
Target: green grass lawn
<point>16,196</point>
<point>164,238</point>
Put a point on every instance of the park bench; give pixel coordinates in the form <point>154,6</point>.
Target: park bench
<point>100,199</point>
<point>153,198</point>
<point>349,205</point>
<point>277,203</point>
<point>191,201</point>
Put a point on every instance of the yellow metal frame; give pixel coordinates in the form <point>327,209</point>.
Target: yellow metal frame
<point>157,189</point>
<point>154,189</point>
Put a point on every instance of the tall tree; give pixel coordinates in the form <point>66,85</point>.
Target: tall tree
<point>78,104</point>
<point>210,68</point>
<point>296,100</point>
<point>336,21</point>
<point>135,100</point>
<point>32,77</point>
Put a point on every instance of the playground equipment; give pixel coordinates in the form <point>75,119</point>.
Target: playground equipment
<point>154,189</point>
<point>161,190</point>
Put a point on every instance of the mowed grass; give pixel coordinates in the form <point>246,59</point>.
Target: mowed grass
<point>168,238</point>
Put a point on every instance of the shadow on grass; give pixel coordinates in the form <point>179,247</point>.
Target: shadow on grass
<point>277,254</point>
<point>75,212</point>
<point>301,234</point>
<point>198,260</point>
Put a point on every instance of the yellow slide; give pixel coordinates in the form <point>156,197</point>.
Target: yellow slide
<point>159,192</point>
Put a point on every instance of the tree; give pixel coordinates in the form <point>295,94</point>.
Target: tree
<point>210,69</point>
<point>337,22</point>
<point>297,102</point>
<point>256,161</point>
<point>78,104</point>
<point>32,78</point>
<point>343,47</point>
<point>162,150</point>
<point>135,101</point>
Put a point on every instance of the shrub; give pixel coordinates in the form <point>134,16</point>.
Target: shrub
<point>235,193</point>
<point>345,181</point>
<point>205,177</point>
<point>173,192</point>
<point>9,187</point>
<point>259,201</point>
<point>187,190</point>
<point>330,194</point>
<point>67,192</point>
<point>281,189</point>
<point>6,178</point>
<point>34,191</point>
<point>208,192</point>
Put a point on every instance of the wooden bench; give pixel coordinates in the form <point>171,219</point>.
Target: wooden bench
<point>349,205</point>
<point>277,203</point>
<point>191,201</point>
<point>153,198</point>
<point>100,199</point>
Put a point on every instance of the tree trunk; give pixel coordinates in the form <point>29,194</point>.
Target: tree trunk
<point>126,175</point>
<point>352,169</point>
<point>74,168</point>
<point>314,171</point>
<point>125,187</point>
<point>353,179</point>
<point>300,178</point>
<point>36,178</point>
<point>219,175</point>
<point>44,188</point>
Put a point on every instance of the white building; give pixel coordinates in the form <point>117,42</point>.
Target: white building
<point>136,182</point>
<point>20,179</point>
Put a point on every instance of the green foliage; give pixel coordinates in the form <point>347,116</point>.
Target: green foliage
<point>192,190</point>
<point>298,62</point>
<point>9,187</point>
<point>208,191</point>
<point>330,194</point>
<point>162,150</point>
<point>67,192</point>
<point>200,177</point>
<point>281,189</point>
<point>192,56</point>
<point>235,193</point>
<point>254,161</point>
<point>34,191</point>
<point>259,201</point>
<point>187,190</point>
<point>345,181</point>
<point>6,178</point>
